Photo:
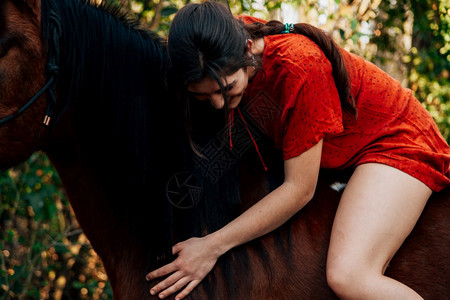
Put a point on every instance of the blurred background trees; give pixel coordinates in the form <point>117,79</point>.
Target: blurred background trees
<point>43,252</point>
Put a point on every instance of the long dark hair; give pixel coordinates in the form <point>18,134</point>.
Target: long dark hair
<point>206,40</point>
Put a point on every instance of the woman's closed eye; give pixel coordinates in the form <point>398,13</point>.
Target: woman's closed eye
<point>229,87</point>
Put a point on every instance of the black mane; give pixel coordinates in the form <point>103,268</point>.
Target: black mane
<point>111,81</point>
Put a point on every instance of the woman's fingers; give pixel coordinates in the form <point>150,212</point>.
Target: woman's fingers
<point>177,248</point>
<point>163,271</point>
<point>167,269</point>
<point>168,282</point>
<point>187,290</point>
<point>174,288</point>
<point>193,263</point>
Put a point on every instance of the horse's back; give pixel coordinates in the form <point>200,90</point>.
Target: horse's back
<point>423,261</point>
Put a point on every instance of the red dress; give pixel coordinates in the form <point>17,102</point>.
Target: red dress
<point>294,100</point>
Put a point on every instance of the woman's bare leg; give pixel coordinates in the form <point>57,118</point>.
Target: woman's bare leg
<point>378,210</point>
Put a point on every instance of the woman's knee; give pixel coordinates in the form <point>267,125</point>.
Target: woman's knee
<point>348,278</point>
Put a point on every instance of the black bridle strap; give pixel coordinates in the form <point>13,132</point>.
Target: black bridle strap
<point>51,70</point>
<point>28,104</point>
<point>52,75</point>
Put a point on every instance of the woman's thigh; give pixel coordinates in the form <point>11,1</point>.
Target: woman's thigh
<point>378,209</point>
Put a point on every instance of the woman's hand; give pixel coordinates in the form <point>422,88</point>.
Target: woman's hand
<point>196,258</point>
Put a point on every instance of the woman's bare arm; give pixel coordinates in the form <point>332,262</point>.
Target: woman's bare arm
<point>277,207</point>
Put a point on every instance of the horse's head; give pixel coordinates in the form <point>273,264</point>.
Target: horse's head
<point>22,61</point>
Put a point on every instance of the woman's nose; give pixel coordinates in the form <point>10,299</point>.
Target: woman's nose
<point>217,101</point>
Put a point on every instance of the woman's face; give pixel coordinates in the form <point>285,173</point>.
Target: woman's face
<point>208,89</point>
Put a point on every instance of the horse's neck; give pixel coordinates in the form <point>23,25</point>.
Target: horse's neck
<point>87,196</point>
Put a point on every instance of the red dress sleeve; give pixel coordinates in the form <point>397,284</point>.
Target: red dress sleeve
<point>312,109</point>
<point>298,76</point>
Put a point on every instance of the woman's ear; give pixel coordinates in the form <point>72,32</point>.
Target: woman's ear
<point>249,45</point>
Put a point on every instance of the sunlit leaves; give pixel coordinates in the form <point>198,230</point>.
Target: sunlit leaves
<point>169,10</point>
<point>42,249</point>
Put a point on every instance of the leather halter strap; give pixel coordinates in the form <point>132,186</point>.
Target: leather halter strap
<point>51,70</point>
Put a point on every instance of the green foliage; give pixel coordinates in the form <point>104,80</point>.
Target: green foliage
<point>429,62</point>
<point>428,59</point>
<point>44,254</point>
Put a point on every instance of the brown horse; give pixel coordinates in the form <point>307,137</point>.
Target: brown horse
<point>112,132</point>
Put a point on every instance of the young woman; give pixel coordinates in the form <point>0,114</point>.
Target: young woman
<point>336,111</point>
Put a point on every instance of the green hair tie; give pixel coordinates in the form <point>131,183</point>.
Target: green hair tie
<point>288,28</point>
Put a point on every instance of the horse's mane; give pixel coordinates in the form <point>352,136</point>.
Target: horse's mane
<point>111,82</point>
<point>129,126</point>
